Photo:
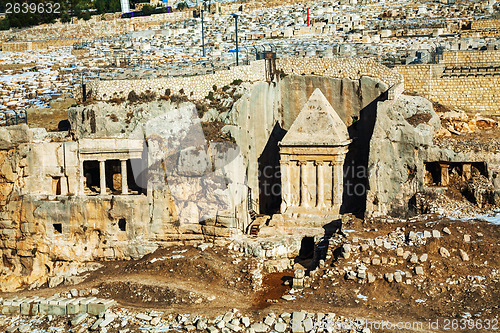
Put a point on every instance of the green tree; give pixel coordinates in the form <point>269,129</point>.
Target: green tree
<point>148,10</point>
<point>182,5</point>
<point>101,6</point>
<point>86,16</point>
<point>114,6</point>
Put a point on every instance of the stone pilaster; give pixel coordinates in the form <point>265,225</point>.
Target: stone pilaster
<point>102,175</point>
<point>320,185</point>
<point>124,176</point>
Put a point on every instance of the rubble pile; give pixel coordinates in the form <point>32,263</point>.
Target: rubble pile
<point>123,320</point>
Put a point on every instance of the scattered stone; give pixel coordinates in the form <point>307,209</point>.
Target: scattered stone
<point>259,327</point>
<point>298,316</point>
<point>142,316</point>
<point>288,297</point>
<point>212,329</point>
<point>414,259</point>
<point>376,261</point>
<point>423,257</point>
<point>280,327</point>
<point>308,324</point>
<point>444,252</point>
<point>246,321</point>
<point>389,277</point>
<point>398,277</point>
<point>55,281</point>
<point>364,247</point>
<point>419,270</point>
<point>436,234</point>
<point>446,231</point>
<point>399,251</point>
<point>464,255</point>
<point>269,320</point>
<point>96,324</point>
<point>412,236</point>
<point>467,238</point>
<point>79,318</point>
<point>426,234</point>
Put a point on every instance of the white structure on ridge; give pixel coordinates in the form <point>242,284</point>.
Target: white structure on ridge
<point>125,6</point>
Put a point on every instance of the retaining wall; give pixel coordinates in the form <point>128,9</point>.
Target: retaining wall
<point>198,87</point>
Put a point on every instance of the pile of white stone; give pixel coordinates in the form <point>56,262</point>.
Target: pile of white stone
<point>124,321</point>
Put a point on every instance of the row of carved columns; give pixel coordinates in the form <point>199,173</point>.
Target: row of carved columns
<point>322,180</point>
<point>102,177</point>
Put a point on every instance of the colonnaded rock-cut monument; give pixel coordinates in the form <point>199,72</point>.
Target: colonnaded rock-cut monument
<point>134,176</point>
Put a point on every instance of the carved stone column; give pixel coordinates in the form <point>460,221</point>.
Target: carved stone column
<point>445,175</point>
<point>286,196</point>
<point>320,185</point>
<point>466,171</point>
<point>124,176</point>
<point>337,184</point>
<point>82,178</point>
<point>303,184</point>
<point>102,175</point>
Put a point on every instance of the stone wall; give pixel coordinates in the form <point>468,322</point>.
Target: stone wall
<point>39,44</point>
<point>198,87</point>
<point>485,24</point>
<point>339,67</point>
<point>195,87</point>
<point>478,93</point>
<point>95,27</point>
<point>469,58</point>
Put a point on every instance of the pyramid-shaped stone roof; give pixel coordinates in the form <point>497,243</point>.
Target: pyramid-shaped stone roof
<point>317,124</point>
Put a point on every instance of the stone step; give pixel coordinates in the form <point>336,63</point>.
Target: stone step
<point>54,306</point>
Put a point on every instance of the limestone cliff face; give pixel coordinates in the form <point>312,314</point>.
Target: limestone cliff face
<point>403,140</point>
<point>396,153</point>
<point>195,189</point>
<point>261,117</point>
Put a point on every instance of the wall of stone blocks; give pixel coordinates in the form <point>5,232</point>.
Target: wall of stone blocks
<point>339,67</point>
<point>484,24</point>
<point>94,28</point>
<point>198,87</point>
<point>468,58</point>
<point>40,44</point>
<point>195,87</point>
<point>472,93</point>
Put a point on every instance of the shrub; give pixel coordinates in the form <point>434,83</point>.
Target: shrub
<point>148,96</point>
<point>133,97</point>
<point>210,96</point>
<point>201,108</point>
<point>178,98</point>
<point>236,82</point>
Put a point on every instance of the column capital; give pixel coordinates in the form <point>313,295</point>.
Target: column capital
<point>319,163</point>
<point>302,162</point>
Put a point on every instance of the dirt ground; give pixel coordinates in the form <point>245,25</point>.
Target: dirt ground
<point>185,279</point>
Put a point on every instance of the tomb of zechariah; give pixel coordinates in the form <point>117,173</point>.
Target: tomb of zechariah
<point>312,155</point>
<point>321,139</point>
